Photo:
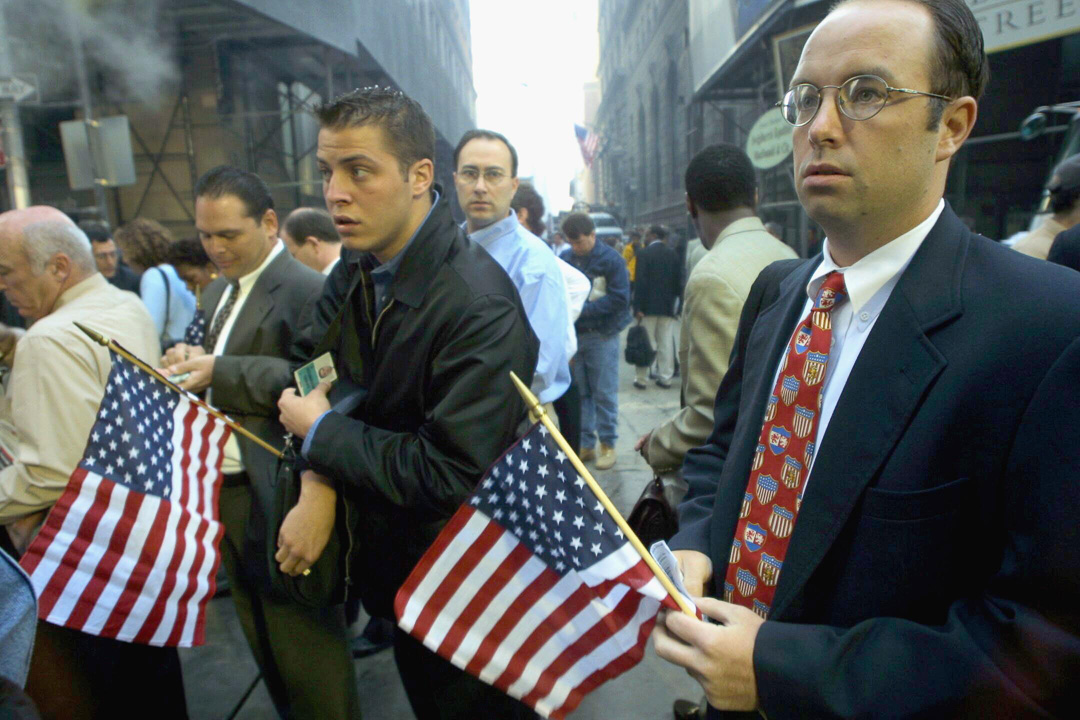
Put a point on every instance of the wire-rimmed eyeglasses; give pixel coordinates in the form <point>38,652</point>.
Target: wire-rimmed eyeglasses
<point>860,98</point>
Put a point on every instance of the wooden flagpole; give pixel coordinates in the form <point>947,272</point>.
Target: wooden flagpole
<point>119,350</point>
<point>538,410</point>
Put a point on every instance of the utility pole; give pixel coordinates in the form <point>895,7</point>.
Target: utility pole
<point>84,98</point>
<point>18,181</point>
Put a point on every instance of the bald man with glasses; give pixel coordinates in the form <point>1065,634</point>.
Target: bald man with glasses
<point>887,504</point>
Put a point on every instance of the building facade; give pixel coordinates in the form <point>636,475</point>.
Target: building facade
<point>205,82</point>
<point>643,113</point>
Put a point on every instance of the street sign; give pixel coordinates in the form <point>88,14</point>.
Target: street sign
<point>769,142</point>
<point>13,88</point>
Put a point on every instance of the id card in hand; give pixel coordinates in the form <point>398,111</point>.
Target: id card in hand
<point>319,370</point>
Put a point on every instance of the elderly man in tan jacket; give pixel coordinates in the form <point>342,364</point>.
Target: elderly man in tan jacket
<point>55,379</point>
<point>721,193</point>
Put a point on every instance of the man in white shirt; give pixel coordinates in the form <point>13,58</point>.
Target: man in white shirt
<point>882,502</point>
<point>255,312</point>
<point>309,234</point>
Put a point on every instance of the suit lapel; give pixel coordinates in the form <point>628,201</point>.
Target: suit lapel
<point>257,305</point>
<point>887,384</point>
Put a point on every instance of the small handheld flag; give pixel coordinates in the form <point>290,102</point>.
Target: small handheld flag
<point>533,586</point>
<point>130,550</point>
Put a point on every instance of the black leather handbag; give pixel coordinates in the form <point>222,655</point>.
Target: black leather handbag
<point>639,351</point>
<point>328,582</point>
<point>654,516</point>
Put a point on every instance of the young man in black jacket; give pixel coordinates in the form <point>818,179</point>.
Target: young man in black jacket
<point>430,330</point>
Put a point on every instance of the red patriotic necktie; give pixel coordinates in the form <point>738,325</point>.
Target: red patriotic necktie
<point>785,449</point>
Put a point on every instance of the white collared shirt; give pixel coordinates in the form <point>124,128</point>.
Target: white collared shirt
<point>869,283</point>
<point>232,462</point>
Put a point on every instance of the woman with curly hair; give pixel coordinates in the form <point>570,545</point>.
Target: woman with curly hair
<point>145,245</point>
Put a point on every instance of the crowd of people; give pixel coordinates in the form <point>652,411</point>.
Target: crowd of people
<point>920,375</point>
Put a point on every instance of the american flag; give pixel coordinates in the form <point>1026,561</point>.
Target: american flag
<point>531,586</point>
<point>588,141</point>
<point>130,550</point>
<point>196,329</point>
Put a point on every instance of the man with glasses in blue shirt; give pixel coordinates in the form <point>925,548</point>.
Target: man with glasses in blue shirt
<point>887,503</point>
<point>485,175</point>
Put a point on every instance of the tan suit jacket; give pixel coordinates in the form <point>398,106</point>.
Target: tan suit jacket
<point>56,385</point>
<point>1037,242</point>
<point>712,303</point>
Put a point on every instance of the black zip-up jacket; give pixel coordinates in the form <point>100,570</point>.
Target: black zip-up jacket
<point>439,406</point>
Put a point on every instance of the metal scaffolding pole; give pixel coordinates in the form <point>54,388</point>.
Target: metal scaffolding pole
<point>18,181</point>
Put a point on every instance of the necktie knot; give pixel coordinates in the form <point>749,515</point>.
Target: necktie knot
<point>832,291</point>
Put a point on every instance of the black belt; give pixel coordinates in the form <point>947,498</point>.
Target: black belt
<point>234,479</point>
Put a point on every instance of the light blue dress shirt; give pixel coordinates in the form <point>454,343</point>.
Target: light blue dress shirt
<point>535,272</point>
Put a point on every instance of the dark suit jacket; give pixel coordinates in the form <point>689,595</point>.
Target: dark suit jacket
<point>657,281</point>
<point>255,369</point>
<point>934,570</point>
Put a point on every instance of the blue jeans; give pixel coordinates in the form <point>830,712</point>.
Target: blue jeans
<point>596,373</point>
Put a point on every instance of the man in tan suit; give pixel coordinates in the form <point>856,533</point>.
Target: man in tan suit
<point>720,194</point>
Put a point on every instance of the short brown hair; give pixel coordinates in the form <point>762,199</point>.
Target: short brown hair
<point>144,242</point>
<point>407,126</point>
<point>577,225</point>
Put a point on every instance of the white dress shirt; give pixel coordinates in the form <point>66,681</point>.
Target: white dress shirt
<point>577,291</point>
<point>232,462</point>
<point>869,283</point>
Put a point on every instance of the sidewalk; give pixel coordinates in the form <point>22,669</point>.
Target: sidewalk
<point>217,674</point>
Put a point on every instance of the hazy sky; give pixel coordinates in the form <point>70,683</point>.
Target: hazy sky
<point>530,60</point>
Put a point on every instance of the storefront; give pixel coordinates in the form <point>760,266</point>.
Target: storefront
<point>996,181</point>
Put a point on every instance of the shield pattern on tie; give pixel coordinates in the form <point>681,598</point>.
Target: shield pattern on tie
<point>746,582</point>
<point>766,489</point>
<point>792,472</point>
<point>769,569</point>
<point>770,409</point>
<point>761,609</point>
<point>779,437</point>
<point>814,370</point>
<point>729,592</point>
<point>755,536</point>
<point>781,521</point>
<point>808,455</point>
<point>804,421</point>
<point>736,551</point>
<point>789,389</point>
<point>747,501</point>
<point>802,340</point>
<point>822,320</point>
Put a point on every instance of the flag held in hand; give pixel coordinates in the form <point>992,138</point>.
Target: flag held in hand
<point>130,551</point>
<point>532,586</point>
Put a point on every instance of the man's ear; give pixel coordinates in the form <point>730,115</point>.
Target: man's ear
<point>270,222</point>
<point>60,266</point>
<point>313,241</point>
<point>956,124</point>
<point>690,208</point>
<point>421,176</point>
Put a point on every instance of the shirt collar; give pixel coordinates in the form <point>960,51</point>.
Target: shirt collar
<point>388,269</point>
<point>248,281</point>
<point>866,276</point>
<point>487,236</point>
<point>79,289</point>
<point>746,224</point>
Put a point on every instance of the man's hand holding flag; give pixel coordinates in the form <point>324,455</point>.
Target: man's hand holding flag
<point>537,586</point>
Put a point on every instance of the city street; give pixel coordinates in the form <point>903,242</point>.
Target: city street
<point>217,674</point>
